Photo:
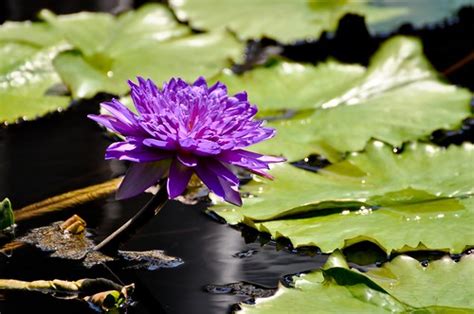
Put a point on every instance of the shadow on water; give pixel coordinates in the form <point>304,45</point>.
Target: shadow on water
<point>65,151</point>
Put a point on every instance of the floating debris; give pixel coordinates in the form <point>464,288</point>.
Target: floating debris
<point>242,289</point>
<point>150,260</point>
<point>93,258</point>
<point>102,294</point>
<point>68,240</point>
<point>60,242</point>
<point>245,253</point>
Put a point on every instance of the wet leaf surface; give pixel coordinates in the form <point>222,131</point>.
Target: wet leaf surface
<point>26,74</point>
<point>33,34</point>
<point>162,48</point>
<point>291,21</point>
<point>337,108</point>
<point>338,289</point>
<point>415,200</point>
<point>443,282</point>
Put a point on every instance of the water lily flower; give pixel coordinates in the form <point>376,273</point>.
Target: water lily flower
<point>183,129</point>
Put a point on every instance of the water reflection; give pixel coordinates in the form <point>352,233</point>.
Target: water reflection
<point>47,157</point>
<point>65,151</point>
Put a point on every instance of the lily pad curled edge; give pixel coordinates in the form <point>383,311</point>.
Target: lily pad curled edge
<point>336,108</point>
<point>421,199</point>
<point>400,286</point>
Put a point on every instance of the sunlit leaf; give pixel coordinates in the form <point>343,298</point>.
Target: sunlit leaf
<point>94,33</point>
<point>86,31</point>
<point>339,108</point>
<point>284,85</point>
<point>26,75</point>
<point>444,225</point>
<point>338,289</point>
<point>443,282</point>
<point>148,42</point>
<point>285,21</point>
<point>36,34</point>
<point>290,21</point>
<point>187,58</point>
<point>419,199</point>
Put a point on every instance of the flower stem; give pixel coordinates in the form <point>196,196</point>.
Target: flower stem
<point>127,230</point>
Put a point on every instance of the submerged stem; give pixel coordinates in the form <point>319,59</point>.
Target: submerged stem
<point>128,229</point>
<point>67,200</point>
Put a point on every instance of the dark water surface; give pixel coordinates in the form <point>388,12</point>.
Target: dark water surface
<point>65,151</point>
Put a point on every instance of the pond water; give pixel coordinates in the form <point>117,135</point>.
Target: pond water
<point>64,151</point>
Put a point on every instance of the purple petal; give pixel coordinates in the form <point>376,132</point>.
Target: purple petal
<point>261,173</point>
<point>134,152</point>
<point>218,185</point>
<point>178,178</point>
<point>201,81</point>
<point>206,148</point>
<point>139,177</point>
<point>222,171</point>
<point>219,88</point>
<point>120,111</point>
<point>201,128</point>
<point>187,159</point>
<point>145,96</point>
<point>251,161</point>
<point>242,96</point>
<point>244,159</point>
<point>116,125</point>
<point>159,144</point>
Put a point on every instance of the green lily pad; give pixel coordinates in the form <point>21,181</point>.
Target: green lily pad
<point>36,34</point>
<point>86,31</point>
<point>339,108</point>
<point>290,21</point>
<point>101,33</point>
<point>338,289</point>
<point>6,214</point>
<point>284,85</point>
<point>420,199</point>
<point>285,21</point>
<point>444,225</point>
<point>26,74</point>
<point>442,282</point>
<point>187,57</point>
<point>162,48</point>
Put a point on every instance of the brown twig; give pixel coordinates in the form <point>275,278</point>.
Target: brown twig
<point>458,65</point>
<point>7,248</point>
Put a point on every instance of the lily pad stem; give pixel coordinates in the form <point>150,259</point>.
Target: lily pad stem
<point>127,230</point>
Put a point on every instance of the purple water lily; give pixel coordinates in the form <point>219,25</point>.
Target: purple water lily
<point>184,129</point>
